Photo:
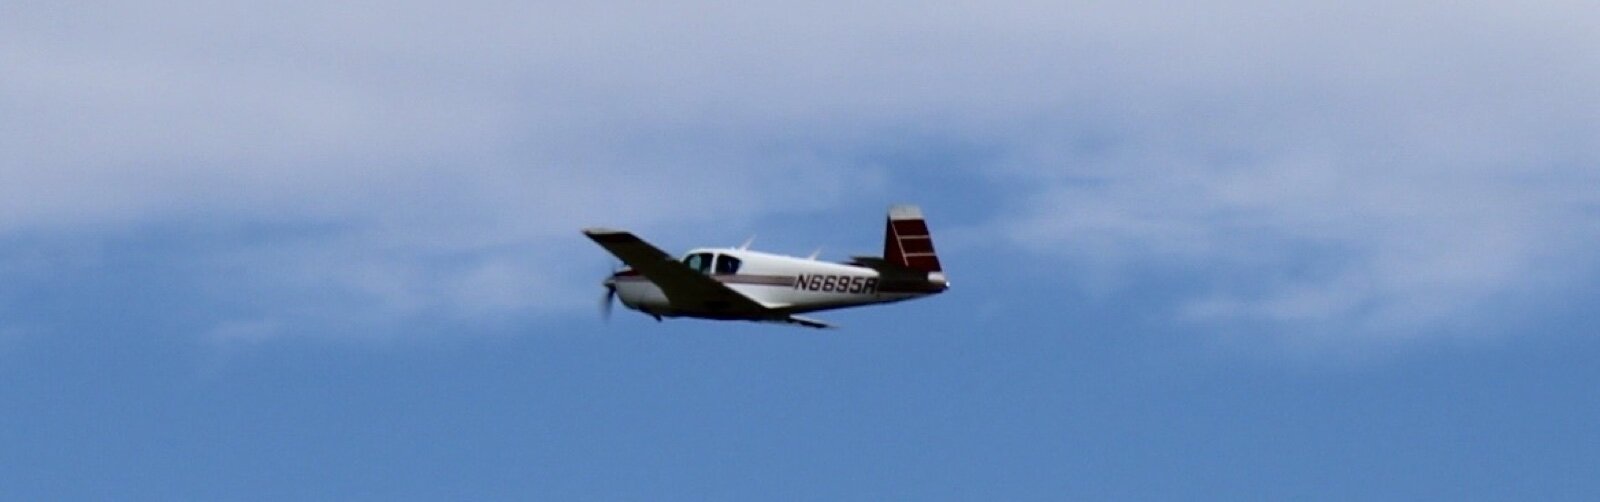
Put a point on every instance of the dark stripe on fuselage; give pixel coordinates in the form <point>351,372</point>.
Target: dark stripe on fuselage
<point>867,285</point>
<point>759,280</point>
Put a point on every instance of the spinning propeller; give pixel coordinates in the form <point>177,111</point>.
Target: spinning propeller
<point>610,297</point>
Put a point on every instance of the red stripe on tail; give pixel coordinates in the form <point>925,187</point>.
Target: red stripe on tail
<point>907,242</point>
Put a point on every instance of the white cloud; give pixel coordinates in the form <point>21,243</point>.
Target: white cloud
<point>1388,162</point>
<point>444,156</point>
<point>1374,173</point>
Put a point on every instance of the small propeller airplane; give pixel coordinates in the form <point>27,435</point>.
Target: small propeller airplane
<point>740,284</point>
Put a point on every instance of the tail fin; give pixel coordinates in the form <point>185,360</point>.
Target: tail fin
<point>906,241</point>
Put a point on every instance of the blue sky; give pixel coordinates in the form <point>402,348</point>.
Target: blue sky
<point>1242,250</point>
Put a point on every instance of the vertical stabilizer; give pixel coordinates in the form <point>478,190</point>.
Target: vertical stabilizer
<point>906,241</point>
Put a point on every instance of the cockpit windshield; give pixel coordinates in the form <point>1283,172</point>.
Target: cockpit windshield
<point>727,265</point>
<point>701,262</point>
<point>707,263</point>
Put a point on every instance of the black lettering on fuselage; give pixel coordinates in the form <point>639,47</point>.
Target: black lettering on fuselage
<point>853,284</point>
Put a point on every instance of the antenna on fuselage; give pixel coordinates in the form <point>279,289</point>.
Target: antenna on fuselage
<point>747,243</point>
<point>815,254</point>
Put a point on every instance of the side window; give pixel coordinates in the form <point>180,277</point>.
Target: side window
<point>727,265</point>
<point>699,261</point>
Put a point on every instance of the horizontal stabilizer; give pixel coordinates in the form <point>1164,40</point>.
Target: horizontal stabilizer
<point>872,262</point>
<point>886,268</point>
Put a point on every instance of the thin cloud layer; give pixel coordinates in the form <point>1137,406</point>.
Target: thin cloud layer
<point>1364,166</point>
<point>396,160</point>
<point>1391,173</point>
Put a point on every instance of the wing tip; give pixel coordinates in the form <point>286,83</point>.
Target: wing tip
<point>609,235</point>
<point>808,322</point>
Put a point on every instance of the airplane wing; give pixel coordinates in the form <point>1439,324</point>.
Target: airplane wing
<point>685,287</point>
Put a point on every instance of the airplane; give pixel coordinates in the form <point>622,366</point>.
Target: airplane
<point>741,284</point>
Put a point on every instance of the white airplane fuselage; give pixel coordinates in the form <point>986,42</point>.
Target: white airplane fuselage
<point>792,284</point>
